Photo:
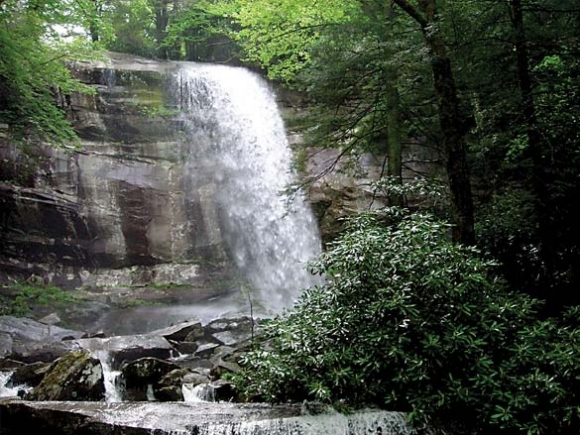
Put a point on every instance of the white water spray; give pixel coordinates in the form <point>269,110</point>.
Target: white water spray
<point>8,391</point>
<point>198,393</point>
<point>111,378</point>
<point>239,151</point>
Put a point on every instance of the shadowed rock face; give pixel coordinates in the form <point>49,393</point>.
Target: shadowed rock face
<point>120,210</point>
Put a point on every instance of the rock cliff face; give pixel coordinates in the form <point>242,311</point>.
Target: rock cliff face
<point>129,206</point>
<point>119,210</point>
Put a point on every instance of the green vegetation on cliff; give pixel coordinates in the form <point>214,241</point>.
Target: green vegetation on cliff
<point>34,80</point>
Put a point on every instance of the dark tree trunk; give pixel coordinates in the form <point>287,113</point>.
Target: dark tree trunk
<point>394,146</point>
<point>394,150</point>
<point>453,144</point>
<point>450,119</point>
<point>93,27</point>
<point>536,152</point>
<point>161,21</point>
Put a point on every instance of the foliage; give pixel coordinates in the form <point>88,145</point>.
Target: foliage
<point>19,298</point>
<point>409,321</point>
<point>33,73</point>
<point>540,252</point>
<point>130,27</point>
<point>280,35</point>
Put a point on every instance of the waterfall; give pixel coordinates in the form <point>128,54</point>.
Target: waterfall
<point>238,152</point>
<point>111,378</point>
<point>11,391</point>
<point>198,393</point>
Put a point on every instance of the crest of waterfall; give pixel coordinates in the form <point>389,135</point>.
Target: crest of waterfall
<point>238,152</point>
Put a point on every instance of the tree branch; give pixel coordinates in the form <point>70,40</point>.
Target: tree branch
<point>412,12</point>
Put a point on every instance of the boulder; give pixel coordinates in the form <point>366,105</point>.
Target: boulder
<point>142,375</point>
<point>50,319</point>
<point>170,387</point>
<point>222,367</point>
<point>75,376</point>
<point>28,375</point>
<point>42,352</point>
<point>129,348</point>
<point>185,347</point>
<point>243,323</point>
<point>190,330</point>
<point>17,334</point>
<point>206,350</point>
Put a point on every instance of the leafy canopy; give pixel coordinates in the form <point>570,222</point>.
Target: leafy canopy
<point>33,72</point>
<point>280,34</point>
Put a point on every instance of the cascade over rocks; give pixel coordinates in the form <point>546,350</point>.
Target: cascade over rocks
<point>92,418</point>
<point>150,365</point>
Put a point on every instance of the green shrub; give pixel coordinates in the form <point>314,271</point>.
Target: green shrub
<point>409,321</point>
<point>19,298</point>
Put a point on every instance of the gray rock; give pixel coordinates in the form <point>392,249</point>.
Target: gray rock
<point>182,332</point>
<point>123,349</point>
<point>222,367</point>
<point>185,347</point>
<point>51,319</point>
<point>142,374</point>
<point>24,330</point>
<point>243,323</point>
<point>206,350</point>
<point>29,375</point>
<point>232,337</point>
<point>170,393</point>
<point>76,376</point>
<point>42,352</point>
<point>5,344</point>
<point>30,341</point>
<point>195,379</point>
<point>170,386</point>
<point>119,202</point>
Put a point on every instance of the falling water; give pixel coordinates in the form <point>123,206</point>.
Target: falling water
<point>198,393</point>
<point>111,378</point>
<point>238,150</point>
<point>10,391</point>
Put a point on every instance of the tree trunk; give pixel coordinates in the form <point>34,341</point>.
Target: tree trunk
<point>93,26</point>
<point>161,21</point>
<point>540,181</point>
<point>394,147</point>
<point>450,119</point>
<point>394,150</point>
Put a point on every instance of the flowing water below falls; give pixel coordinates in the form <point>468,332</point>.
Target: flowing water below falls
<point>238,151</point>
<point>193,419</point>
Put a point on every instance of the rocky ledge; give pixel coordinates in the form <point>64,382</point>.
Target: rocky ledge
<point>166,382</point>
<point>45,362</point>
<point>90,418</point>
